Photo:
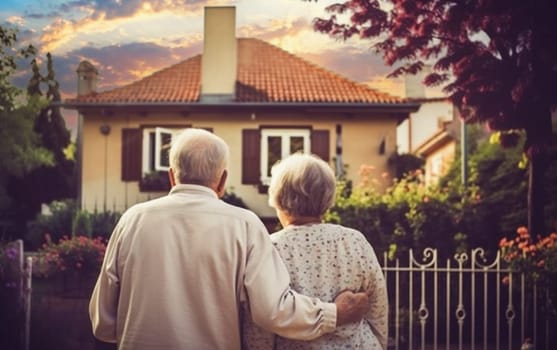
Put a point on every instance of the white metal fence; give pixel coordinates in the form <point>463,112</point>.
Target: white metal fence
<point>463,303</point>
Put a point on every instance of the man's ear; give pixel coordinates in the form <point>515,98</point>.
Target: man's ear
<point>221,187</point>
<point>171,177</point>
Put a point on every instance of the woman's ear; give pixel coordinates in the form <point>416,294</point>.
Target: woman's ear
<point>171,177</point>
<point>221,187</point>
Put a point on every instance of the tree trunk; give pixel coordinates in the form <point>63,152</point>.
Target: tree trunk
<point>538,138</point>
<point>536,198</point>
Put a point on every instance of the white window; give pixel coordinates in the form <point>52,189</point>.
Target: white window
<point>436,165</point>
<point>156,147</point>
<point>277,144</point>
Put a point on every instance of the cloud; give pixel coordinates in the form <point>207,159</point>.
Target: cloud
<point>274,29</point>
<point>354,58</point>
<point>355,63</point>
<point>72,21</point>
<point>123,64</point>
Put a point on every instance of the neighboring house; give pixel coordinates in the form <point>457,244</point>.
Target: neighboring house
<point>439,150</point>
<point>431,132</point>
<point>263,101</point>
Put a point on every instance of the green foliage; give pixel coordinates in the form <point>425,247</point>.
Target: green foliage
<point>65,219</point>
<point>10,270</point>
<point>231,197</point>
<point>58,179</point>
<point>81,224</point>
<point>57,223</point>
<point>21,148</point>
<point>155,181</point>
<point>449,216</point>
<point>498,185</point>
<point>535,258</point>
<point>12,314</point>
<point>408,215</point>
<point>103,223</point>
<point>8,56</point>
<point>405,164</point>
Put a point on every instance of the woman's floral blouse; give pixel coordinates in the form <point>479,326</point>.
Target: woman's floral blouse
<point>323,260</point>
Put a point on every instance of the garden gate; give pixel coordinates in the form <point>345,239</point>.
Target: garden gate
<point>464,303</point>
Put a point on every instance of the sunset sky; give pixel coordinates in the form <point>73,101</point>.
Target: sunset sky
<point>127,40</point>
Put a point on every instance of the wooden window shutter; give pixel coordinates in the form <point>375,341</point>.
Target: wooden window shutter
<point>320,144</point>
<point>251,156</point>
<point>131,154</point>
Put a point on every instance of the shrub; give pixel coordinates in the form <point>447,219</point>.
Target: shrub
<point>11,306</point>
<point>103,223</point>
<point>408,215</point>
<point>58,223</point>
<point>10,272</point>
<point>72,254</point>
<point>81,224</point>
<point>536,258</point>
<point>231,197</point>
<point>64,217</point>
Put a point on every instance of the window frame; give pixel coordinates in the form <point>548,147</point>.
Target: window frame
<point>152,146</point>
<point>285,134</point>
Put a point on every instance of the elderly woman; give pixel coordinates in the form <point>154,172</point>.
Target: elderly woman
<point>322,259</point>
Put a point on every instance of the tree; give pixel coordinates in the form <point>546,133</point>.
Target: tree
<point>496,60</point>
<point>58,179</point>
<point>20,147</point>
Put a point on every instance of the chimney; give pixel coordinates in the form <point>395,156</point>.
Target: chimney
<point>413,83</point>
<point>86,78</point>
<point>219,61</point>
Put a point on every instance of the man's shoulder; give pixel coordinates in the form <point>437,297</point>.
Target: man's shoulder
<point>238,212</point>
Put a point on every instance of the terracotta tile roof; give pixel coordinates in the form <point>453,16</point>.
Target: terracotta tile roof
<point>266,73</point>
<point>177,83</point>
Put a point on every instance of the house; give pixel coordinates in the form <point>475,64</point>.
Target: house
<point>439,150</point>
<point>263,101</point>
<point>433,131</point>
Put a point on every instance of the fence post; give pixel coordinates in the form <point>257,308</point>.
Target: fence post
<point>27,300</point>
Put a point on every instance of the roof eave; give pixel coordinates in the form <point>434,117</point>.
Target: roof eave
<point>354,107</point>
<point>433,143</point>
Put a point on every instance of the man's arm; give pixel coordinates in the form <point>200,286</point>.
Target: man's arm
<point>351,307</point>
<point>104,300</point>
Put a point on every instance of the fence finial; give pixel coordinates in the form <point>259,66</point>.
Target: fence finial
<point>527,345</point>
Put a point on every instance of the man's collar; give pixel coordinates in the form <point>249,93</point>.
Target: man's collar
<point>193,189</point>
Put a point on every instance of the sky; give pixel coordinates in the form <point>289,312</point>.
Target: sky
<point>127,40</point>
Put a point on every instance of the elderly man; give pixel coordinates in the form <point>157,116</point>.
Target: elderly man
<point>177,268</point>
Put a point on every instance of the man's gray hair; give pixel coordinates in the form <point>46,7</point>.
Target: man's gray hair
<point>302,185</point>
<point>198,156</point>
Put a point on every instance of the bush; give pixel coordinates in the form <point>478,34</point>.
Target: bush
<point>536,259</point>
<point>12,313</point>
<point>232,198</point>
<point>72,254</point>
<point>57,223</point>
<point>64,218</point>
<point>408,215</point>
<point>81,224</point>
<point>103,223</point>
